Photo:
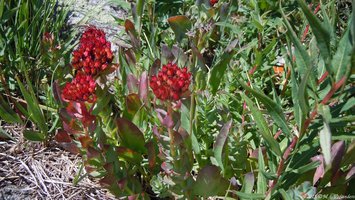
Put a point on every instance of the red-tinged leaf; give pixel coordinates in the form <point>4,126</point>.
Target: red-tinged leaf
<point>130,57</point>
<point>255,153</point>
<point>130,135</point>
<point>122,183</point>
<point>108,180</point>
<point>56,92</point>
<point>320,169</point>
<point>167,167</point>
<point>168,121</point>
<point>351,173</point>
<point>71,147</point>
<point>180,25</point>
<point>209,182</point>
<point>143,87</point>
<point>131,31</point>
<point>129,155</point>
<point>323,77</point>
<point>62,136</point>
<point>178,140</point>
<point>154,68</point>
<point>166,53</point>
<point>333,90</point>
<point>132,83</point>
<point>92,153</point>
<point>156,132</point>
<point>220,143</point>
<point>85,141</point>
<point>337,151</point>
<point>151,154</point>
<point>133,104</point>
<point>109,168</point>
<point>71,127</point>
<point>179,54</point>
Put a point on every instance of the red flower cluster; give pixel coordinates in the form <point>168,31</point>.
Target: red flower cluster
<point>94,52</point>
<point>170,82</point>
<point>212,2</point>
<point>82,88</point>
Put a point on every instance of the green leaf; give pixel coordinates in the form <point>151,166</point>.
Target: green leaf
<point>250,196</point>
<point>322,35</point>
<point>209,182</point>
<point>220,143</point>
<point>34,135</point>
<point>102,103</point>
<point>273,108</point>
<point>129,155</point>
<point>262,126</point>
<point>325,139</point>
<point>306,167</point>
<point>5,135</point>
<point>349,157</point>
<point>7,114</point>
<point>130,135</point>
<point>133,104</point>
<point>261,184</point>
<point>248,183</point>
<point>341,60</point>
<point>180,25</point>
<point>35,111</point>
<point>218,70</point>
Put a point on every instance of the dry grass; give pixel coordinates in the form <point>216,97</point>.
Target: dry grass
<point>31,171</point>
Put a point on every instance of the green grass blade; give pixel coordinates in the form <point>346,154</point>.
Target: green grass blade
<point>262,126</point>
<point>273,108</point>
<point>35,111</point>
<point>320,32</point>
<point>342,57</point>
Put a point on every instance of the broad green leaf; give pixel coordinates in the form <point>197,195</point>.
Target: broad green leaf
<point>35,111</point>
<point>34,135</point>
<point>129,155</point>
<point>322,35</point>
<point>248,183</point>
<point>220,143</point>
<point>131,136</point>
<point>306,167</point>
<point>139,9</point>
<point>262,126</point>
<point>209,182</point>
<point>243,195</point>
<point>273,108</point>
<point>303,63</point>
<point>261,184</point>
<point>133,104</point>
<point>325,142</point>
<point>218,70</point>
<point>341,60</point>
<point>180,25</point>
<point>102,103</point>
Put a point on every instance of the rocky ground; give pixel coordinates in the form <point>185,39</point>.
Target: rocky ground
<point>99,13</point>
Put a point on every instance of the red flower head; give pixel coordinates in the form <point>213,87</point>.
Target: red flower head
<point>212,2</point>
<point>170,82</point>
<point>94,52</point>
<point>82,88</point>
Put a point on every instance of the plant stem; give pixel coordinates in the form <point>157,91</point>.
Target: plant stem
<point>171,132</point>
